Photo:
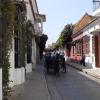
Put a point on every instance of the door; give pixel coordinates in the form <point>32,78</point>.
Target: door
<point>96,52</point>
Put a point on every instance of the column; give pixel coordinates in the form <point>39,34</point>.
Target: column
<point>92,58</point>
<point>91,44</point>
<point>99,48</point>
<point>41,26</point>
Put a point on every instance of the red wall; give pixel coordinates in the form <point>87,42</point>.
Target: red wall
<point>73,55</point>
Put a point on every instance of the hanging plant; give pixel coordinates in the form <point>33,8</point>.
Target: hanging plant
<point>20,32</point>
<point>8,20</point>
<point>9,10</point>
<point>42,42</point>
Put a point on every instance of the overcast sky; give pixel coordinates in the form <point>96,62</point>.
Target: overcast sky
<point>61,12</point>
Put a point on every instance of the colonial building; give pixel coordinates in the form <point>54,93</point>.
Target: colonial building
<point>21,65</point>
<point>24,52</point>
<point>78,42</point>
<point>89,39</point>
<point>92,31</point>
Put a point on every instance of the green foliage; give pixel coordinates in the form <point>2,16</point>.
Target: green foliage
<point>20,29</point>
<point>42,43</point>
<point>65,37</point>
<point>29,35</point>
<point>9,10</point>
<point>67,33</point>
<point>8,14</point>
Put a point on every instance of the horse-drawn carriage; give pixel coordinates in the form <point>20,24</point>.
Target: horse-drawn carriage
<point>55,64</point>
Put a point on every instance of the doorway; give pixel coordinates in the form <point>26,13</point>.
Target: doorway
<point>97,50</point>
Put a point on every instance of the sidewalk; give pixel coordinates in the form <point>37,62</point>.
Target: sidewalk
<point>93,72</point>
<point>34,88</point>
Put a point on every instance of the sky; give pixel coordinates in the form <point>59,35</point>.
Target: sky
<point>60,13</point>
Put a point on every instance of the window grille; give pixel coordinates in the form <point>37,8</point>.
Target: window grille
<point>78,48</point>
<point>96,4</point>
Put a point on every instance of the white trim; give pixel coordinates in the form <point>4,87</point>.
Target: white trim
<point>96,13</point>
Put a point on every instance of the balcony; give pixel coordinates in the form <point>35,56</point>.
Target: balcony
<point>96,4</point>
<point>96,8</point>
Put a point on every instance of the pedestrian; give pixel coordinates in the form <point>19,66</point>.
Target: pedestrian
<point>56,65</point>
<point>63,64</point>
<point>48,62</point>
<point>83,60</point>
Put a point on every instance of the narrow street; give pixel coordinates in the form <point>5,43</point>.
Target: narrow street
<point>36,37</point>
<point>74,85</point>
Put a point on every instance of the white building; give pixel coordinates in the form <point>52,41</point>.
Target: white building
<point>17,72</point>
<point>92,31</point>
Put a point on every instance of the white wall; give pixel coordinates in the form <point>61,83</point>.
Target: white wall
<point>29,68</point>
<point>34,6</point>
<point>19,76</point>
<point>16,75</point>
<point>90,30</point>
<point>29,11</point>
<point>0,84</point>
<point>90,61</point>
<point>96,12</point>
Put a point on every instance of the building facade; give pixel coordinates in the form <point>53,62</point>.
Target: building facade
<point>90,35</point>
<point>28,26</point>
<point>21,66</point>
<point>79,43</point>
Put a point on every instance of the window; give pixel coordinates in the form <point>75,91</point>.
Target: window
<point>78,48</point>
<point>17,52</point>
<point>86,44</point>
<point>29,53</point>
<point>73,50</point>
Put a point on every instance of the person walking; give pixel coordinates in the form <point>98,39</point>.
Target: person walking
<point>63,64</point>
<point>83,60</point>
<point>56,65</point>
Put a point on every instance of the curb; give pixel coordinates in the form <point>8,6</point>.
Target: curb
<point>49,98</point>
<point>94,75</point>
<point>89,73</point>
<point>74,67</point>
